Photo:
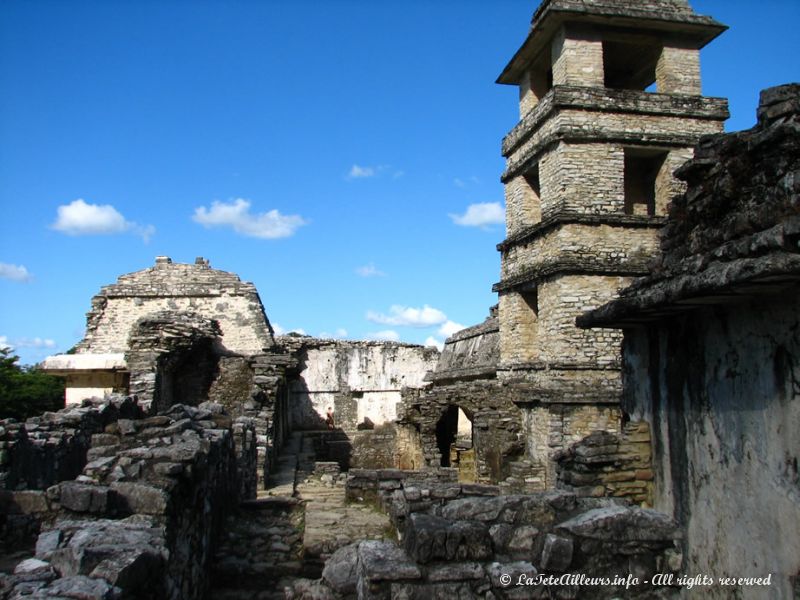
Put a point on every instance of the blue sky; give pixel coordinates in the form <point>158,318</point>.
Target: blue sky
<point>344,155</point>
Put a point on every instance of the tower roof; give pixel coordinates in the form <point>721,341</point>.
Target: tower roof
<point>674,17</point>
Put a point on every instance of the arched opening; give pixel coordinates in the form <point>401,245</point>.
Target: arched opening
<point>454,440</point>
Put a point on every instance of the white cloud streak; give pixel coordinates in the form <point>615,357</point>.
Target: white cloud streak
<point>4,345</point>
<point>81,218</point>
<point>370,270</point>
<point>282,331</point>
<point>448,328</point>
<point>338,334</point>
<point>434,343</point>
<point>14,272</point>
<point>387,335</point>
<point>36,342</point>
<point>367,172</point>
<point>359,172</point>
<point>408,316</point>
<point>236,215</point>
<point>483,214</point>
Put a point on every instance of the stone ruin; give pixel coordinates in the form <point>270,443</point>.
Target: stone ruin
<point>712,352</point>
<point>193,459</point>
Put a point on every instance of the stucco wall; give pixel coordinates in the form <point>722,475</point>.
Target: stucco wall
<point>360,380</point>
<point>721,390</point>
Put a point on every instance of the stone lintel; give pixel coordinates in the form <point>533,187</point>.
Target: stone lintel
<point>542,228</point>
<point>462,374</point>
<point>66,364</point>
<point>523,393</point>
<point>720,283</point>
<point>613,101</point>
<point>530,277</point>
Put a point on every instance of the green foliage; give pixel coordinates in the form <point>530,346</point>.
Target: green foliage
<point>26,391</point>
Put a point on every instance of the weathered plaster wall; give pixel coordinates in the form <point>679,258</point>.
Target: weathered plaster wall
<point>726,420</point>
<point>360,380</point>
<point>169,286</point>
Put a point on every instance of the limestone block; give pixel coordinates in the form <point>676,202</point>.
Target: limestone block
<point>340,570</point>
<point>622,524</point>
<point>429,538</point>
<point>383,561</point>
<point>84,498</point>
<point>556,553</point>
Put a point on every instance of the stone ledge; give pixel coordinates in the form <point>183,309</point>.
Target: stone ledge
<point>612,101</point>
<point>530,277</point>
<point>564,218</point>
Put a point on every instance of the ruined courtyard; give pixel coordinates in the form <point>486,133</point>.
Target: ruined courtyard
<point>633,393</point>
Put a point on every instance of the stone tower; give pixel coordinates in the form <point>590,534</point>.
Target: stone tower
<point>610,105</point>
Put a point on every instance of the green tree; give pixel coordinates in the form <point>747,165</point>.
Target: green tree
<point>26,391</point>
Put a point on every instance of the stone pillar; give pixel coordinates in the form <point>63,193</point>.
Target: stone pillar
<point>577,59</point>
<point>678,71</point>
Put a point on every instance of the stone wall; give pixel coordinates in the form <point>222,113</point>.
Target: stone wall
<point>497,436</point>
<point>471,353</point>
<point>711,353</point>
<point>143,516</point>
<point>45,450</point>
<point>360,381</point>
<point>169,286</point>
<point>609,464</point>
<point>464,540</point>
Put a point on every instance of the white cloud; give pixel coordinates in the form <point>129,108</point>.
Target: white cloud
<point>14,272</point>
<point>338,334</point>
<point>283,331</point>
<point>236,215</point>
<point>482,214</point>
<point>433,342</point>
<point>4,345</point>
<point>408,316</point>
<point>387,335</point>
<point>36,342</point>
<point>81,218</point>
<point>448,328</point>
<point>362,172</point>
<point>370,270</point>
<point>358,172</point>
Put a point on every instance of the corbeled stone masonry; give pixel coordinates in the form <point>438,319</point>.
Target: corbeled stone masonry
<point>196,288</point>
<point>98,366</point>
<point>712,354</point>
<point>588,178</point>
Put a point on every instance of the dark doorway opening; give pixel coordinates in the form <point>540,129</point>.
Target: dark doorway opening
<point>446,431</point>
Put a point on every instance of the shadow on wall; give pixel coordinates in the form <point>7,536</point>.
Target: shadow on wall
<point>330,441</point>
<point>186,377</point>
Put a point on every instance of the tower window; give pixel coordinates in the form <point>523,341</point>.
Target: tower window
<point>531,197</point>
<point>630,66</point>
<point>642,167</point>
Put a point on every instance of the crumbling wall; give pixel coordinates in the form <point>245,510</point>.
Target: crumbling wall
<point>496,424</point>
<point>610,464</point>
<point>172,358</point>
<point>45,450</point>
<point>465,540</point>
<point>360,381</point>
<point>143,517</point>
<point>175,287</point>
<point>711,353</point>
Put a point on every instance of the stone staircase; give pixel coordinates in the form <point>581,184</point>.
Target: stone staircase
<point>287,533</point>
